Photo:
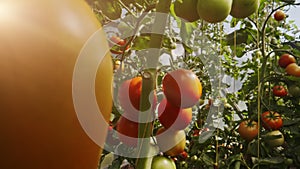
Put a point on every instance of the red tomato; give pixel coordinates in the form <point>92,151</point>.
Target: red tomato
<point>182,88</point>
<point>171,142</point>
<point>285,60</point>
<point>293,69</point>
<point>271,120</point>
<point>184,155</point>
<point>118,40</point>
<point>248,129</point>
<point>127,131</point>
<point>174,117</point>
<point>279,15</point>
<point>279,91</point>
<point>130,94</point>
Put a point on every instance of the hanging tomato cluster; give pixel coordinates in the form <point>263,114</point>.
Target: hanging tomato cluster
<point>182,90</point>
<point>214,11</point>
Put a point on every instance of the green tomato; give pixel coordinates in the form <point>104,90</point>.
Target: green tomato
<point>294,90</point>
<point>274,138</point>
<point>187,10</point>
<point>159,162</point>
<point>214,11</point>
<point>244,8</point>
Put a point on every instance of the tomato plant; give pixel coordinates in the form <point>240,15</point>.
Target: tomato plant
<point>248,129</point>
<point>271,120</point>
<point>238,62</point>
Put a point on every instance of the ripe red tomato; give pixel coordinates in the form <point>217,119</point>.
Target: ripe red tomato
<point>129,95</point>
<point>118,40</point>
<point>285,60</point>
<point>279,91</point>
<point>159,162</point>
<point>279,15</point>
<point>171,142</point>
<point>248,129</point>
<point>128,131</point>
<point>173,117</point>
<point>271,120</point>
<point>182,88</point>
<point>293,69</point>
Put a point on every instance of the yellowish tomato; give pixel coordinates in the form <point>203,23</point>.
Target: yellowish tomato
<point>40,43</point>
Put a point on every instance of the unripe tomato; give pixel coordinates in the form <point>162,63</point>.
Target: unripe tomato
<point>293,69</point>
<point>279,91</point>
<point>170,142</point>
<point>285,60</point>
<point>248,130</point>
<point>159,162</point>
<point>271,120</point>
<point>279,15</point>
<point>274,138</point>
<point>182,88</point>
<point>294,90</point>
<point>187,10</point>
<point>214,11</point>
<point>40,44</point>
<point>244,8</point>
<point>173,117</point>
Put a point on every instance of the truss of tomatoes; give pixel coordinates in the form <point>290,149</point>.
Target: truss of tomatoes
<point>288,62</point>
<point>182,90</point>
<point>270,120</point>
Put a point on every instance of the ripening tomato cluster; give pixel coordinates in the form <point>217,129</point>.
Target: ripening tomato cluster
<point>214,11</point>
<point>271,122</point>
<point>182,90</point>
<point>288,62</point>
<point>129,95</point>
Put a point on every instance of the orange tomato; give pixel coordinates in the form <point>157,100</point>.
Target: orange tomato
<point>171,142</point>
<point>293,69</point>
<point>40,44</point>
<point>129,96</point>
<point>182,88</point>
